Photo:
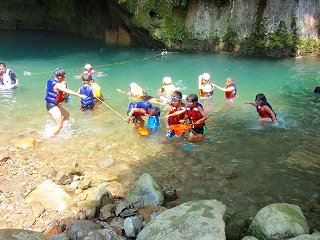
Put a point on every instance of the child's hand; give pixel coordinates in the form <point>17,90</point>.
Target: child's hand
<point>128,120</point>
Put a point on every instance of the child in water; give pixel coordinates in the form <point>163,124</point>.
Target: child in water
<point>264,109</point>
<point>205,87</point>
<point>230,90</point>
<point>175,113</point>
<point>196,115</point>
<point>167,88</point>
<point>87,90</point>
<point>137,110</point>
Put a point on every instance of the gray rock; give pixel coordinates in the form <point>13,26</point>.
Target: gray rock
<point>277,221</point>
<point>17,234</point>
<point>305,237</point>
<point>105,234</point>
<point>107,211</point>
<point>132,226</point>
<point>77,229</point>
<point>192,220</point>
<point>146,189</point>
<point>61,236</point>
<point>249,238</point>
<point>96,198</point>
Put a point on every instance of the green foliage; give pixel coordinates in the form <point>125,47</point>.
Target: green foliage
<point>280,38</point>
<point>184,3</point>
<point>230,36</point>
<point>308,45</point>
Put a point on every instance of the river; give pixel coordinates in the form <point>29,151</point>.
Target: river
<point>242,164</point>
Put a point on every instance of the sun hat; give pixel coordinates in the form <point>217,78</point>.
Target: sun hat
<point>206,76</point>
<point>167,80</point>
<point>133,85</point>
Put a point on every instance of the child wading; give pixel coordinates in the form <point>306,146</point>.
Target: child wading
<point>197,117</point>
<point>264,109</point>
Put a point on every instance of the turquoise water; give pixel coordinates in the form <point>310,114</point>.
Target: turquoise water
<point>242,164</point>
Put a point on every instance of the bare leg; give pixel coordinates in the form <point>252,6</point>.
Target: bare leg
<point>264,120</point>
<point>194,137</point>
<point>56,114</point>
<point>65,114</point>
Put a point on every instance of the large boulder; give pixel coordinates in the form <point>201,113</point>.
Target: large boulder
<point>51,196</point>
<point>202,219</point>
<point>279,221</point>
<point>14,234</point>
<point>147,190</point>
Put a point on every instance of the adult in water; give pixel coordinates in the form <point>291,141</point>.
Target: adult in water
<point>7,77</point>
<point>54,96</point>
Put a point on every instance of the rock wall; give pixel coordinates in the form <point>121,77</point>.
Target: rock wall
<point>267,27</point>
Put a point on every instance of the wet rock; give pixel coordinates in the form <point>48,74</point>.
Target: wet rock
<point>14,234</point>
<point>47,171</point>
<point>117,222</point>
<point>279,220</point>
<point>95,198</point>
<point>51,196</point>
<point>107,211</point>
<point>146,189</point>
<point>61,236</point>
<point>121,206</point>
<point>63,178</point>
<point>26,143</point>
<point>132,226</point>
<point>53,230</point>
<point>77,229</point>
<point>105,234</point>
<point>192,220</point>
<point>147,211</point>
<point>76,169</point>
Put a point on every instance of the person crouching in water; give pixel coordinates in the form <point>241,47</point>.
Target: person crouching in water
<point>196,116</point>
<point>137,110</point>
<point>175,113</point>
<point>264,109</point>
<point>87,90</point>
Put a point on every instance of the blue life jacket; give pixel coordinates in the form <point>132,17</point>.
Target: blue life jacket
<point>53,96</point>
<point>89,100</point>
<point>145,105</point>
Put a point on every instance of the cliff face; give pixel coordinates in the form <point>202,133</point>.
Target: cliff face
<point>267,27</point>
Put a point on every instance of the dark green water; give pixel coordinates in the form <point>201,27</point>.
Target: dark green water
<point>242,164</point>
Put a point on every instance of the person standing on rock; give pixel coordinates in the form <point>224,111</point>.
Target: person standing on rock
<point>54,95</point>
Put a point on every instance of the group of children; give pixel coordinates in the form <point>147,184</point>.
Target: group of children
<point>179,118</point>
<point>190,116</point>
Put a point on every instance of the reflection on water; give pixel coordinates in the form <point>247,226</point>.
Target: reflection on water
<point>241,163</point>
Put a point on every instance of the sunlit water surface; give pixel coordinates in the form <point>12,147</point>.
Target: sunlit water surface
<point>242,164</point>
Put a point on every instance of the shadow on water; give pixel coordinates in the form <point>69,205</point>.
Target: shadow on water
<point>241,163</point>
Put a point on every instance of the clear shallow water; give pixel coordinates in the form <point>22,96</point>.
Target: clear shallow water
<point>242,164</point>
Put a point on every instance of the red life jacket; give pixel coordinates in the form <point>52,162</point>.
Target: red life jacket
<point>194,115</point>
<point>175,119</point>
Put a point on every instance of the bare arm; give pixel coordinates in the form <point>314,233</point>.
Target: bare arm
<point>135,110</point>
<point>252,103</point>
<point>204,116</point>
<point>230,89</point>
<point>268,110</point>
<point>61,87</point>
